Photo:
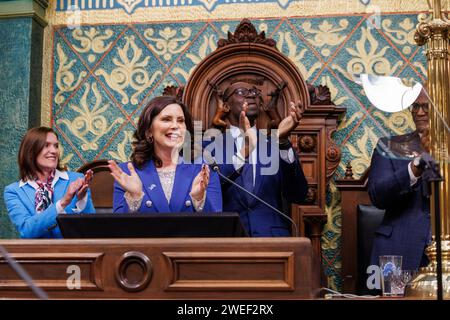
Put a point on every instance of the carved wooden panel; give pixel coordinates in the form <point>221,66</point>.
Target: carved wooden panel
<point>353,192</point>
<point>50,270</point>
<point>194,271</point>
<point>184,268</point>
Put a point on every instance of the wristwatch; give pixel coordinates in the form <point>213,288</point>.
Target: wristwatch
<point>285,145</point>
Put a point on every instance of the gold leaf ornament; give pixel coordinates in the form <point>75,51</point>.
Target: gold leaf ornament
<point>168,45</point>
<point>209,45</point>
<point>89,122</point>
<point>360,153</point>
<point>326,34</point>
<point>371,60</point>
<point>295,55</point>
<point>129,72</point>
<point>64,78</point>
<point>403,36</point>
<point>92,40</point>
<point>120,155</point>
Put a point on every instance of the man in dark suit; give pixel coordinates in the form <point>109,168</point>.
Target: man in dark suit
<point>248,165</point>
<point>395,185</point>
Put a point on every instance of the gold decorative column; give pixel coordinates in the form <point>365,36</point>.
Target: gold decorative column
<point>433,31</point>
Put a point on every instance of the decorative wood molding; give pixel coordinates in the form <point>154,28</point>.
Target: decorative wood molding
<point>307,143</point>
<point>319,95</point>
<point>246,32</point>
<point>173,91</point>
<point>349,172</point>
<point>311,197</point>
<point>333,153</point>
<point>127,273</point>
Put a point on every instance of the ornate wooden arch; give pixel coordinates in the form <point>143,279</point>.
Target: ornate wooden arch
<point>244,55</point>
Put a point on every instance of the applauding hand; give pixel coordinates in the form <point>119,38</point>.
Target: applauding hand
<point>250,135</point>
<point>81,193</point>
<point>200,184</point>
<point>291,121</point>
<point>130,183</point>
<point>71,191</point>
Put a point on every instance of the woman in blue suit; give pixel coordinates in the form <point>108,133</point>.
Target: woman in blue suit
<point>159,178</point>
<point>44,190</point>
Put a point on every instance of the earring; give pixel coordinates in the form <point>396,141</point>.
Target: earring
<point>150,139</point>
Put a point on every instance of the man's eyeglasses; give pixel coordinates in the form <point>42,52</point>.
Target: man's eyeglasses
<point>244,92</point>
<point>417,106</point>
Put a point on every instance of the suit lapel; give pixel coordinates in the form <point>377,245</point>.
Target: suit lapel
<point>184,175</point>
<point>152,187</point>
<point>29,192</point>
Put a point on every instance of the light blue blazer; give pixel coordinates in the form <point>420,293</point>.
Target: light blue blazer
<point>20,204</point>
<point>154,199</point>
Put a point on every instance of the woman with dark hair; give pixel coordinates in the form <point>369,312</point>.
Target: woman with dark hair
<point>159,177</point>
<point>44,190</point>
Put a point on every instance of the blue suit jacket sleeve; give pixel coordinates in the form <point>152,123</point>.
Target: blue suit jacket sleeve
<point>119,203</point>
<point>28,225</point>
<point>387,184</point>
<point>213,201</point>
<point>294,185</point>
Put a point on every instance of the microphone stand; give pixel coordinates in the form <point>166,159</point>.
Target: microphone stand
<point>216,168</point>
<point>431,175</point>
<point>23,274</point>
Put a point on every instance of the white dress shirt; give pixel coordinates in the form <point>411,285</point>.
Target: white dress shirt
<point>238,158</point>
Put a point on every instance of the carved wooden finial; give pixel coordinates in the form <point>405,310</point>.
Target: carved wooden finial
<point>349,172</point>
<point>246,32</point>
<point>319,95</point>
<point>173,91</point>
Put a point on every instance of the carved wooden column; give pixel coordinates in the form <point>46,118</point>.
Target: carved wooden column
<point>320,157</point>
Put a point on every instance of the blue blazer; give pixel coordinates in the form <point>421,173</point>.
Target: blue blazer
<point>154,199</point>
<point>258,219</point>
<point>20,204</point>
<point>405,229</point>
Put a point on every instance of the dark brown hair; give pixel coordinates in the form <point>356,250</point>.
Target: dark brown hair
<point>32,144</point>
<point>143,149</point>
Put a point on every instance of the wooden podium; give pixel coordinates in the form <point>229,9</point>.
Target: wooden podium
<point>171,268</point>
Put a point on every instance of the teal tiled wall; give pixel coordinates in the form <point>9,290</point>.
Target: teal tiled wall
<point>20,97</point>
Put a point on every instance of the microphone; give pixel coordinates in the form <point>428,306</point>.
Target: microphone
<point>426,161</point>
<point>23,274</point>
<point>210,161</point>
